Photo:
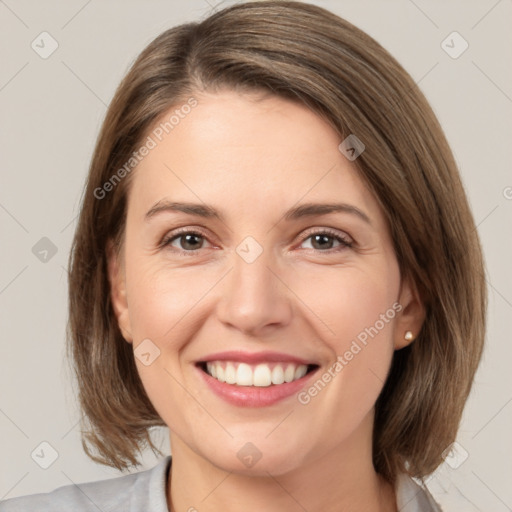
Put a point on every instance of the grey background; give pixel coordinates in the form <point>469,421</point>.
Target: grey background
<point>51,110</point>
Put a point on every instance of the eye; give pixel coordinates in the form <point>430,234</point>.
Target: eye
<point>185,242</point>
<point>323,241</point>
<point>188,242</point>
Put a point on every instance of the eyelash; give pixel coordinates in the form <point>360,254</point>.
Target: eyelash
<point>345,243</point>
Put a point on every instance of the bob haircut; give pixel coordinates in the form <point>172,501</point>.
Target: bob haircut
<point>305,53</point>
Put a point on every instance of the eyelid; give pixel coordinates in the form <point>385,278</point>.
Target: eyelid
<point>345,237</point>
<point>175,234</point>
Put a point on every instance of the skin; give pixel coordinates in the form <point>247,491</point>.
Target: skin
<point>252,158</point>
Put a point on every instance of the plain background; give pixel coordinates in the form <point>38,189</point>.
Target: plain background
<point>51,111</point>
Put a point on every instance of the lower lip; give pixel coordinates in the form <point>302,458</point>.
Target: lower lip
<point>254,396</point>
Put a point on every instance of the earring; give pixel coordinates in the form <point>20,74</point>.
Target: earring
<point>409,336</point>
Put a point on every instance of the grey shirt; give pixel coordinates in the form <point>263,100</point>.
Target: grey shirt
<point>145,492</point>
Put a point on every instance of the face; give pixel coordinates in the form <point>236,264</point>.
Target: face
<point>260,284</point>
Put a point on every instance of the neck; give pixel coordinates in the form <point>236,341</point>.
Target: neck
<point>342,479</point>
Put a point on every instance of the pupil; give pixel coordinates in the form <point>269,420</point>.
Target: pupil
<point>324,238</point>
<point>321,240</point>
<point>188,242</point>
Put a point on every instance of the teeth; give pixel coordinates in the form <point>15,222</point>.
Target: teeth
<point>244,375</point>
<point>300,371</point>
<point>261,375</point>
<point>220,374</point>
<point>278,375</point>
<point>230,373</point>
<point>289,373</point>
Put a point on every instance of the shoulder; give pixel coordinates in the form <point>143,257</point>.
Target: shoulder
<point>412,497</point>
<point>142,491</point>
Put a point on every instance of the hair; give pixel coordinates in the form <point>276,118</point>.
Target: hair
<point>307,54</point>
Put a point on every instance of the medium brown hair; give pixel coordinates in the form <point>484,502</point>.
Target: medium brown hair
<point>305,53</point>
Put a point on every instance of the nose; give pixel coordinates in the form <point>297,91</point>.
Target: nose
<point>255,298</point>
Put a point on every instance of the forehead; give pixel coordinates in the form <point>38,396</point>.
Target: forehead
<point>248,151</point>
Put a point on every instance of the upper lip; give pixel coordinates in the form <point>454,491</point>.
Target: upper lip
<point>254,357</point>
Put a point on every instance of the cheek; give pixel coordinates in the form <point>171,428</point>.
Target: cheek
<point>355,311</point>
<point>161,304</point>
<point>349,301</point>
<point>159,297</point>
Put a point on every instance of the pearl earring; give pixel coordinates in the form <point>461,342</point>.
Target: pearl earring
<point>409,336</point>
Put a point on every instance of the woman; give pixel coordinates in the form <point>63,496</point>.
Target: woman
<point>275,258</point>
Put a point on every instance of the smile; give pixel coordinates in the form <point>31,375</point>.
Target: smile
<point>255,384</point>
<point>260,375</point>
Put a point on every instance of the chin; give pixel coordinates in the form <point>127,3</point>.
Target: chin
<point>248,459</point>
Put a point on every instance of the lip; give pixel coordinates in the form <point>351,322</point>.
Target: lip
<point>254,358</point>
<point>254,396</point>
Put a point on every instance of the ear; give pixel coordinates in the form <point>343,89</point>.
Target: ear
<point>411,316</point>
<point>117,280</point>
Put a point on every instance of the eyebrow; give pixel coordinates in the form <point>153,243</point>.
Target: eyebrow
<point>297,212</point>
